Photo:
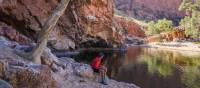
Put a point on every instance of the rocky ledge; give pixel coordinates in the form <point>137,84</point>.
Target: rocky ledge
<point>18,72</point>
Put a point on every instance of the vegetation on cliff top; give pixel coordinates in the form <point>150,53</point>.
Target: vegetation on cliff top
<point>190,23</point>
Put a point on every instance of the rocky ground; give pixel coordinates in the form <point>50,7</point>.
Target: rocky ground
<point>18,72</point>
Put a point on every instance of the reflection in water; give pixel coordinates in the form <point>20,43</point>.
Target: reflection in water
<point>152,68</point>
<point>157,65</point>
<point>191,77</point>
<point>164,62</point>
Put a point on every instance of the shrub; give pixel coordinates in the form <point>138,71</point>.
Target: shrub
<point>158,27</point>
<point>191,23</point>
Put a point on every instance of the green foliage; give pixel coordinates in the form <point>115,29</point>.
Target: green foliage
<point>191,26</point>
<point>189,5</point>
<point>191,23</point>
<point>152,30</point>
<point>163,25</point>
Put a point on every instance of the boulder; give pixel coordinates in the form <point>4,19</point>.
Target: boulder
<point>57,65</point>
<point>4,84</point>
<point>8,53</point>
<point>68,65</point>
<point>79,69</point>
<point>12,34</point>
<point>63,43</point>
<point>83,70</point>
<point>30,76</point>
<point>21,74</point>
<point>48,58</point>
<point>5,42</point>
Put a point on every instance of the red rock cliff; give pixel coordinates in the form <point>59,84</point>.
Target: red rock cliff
<point>93,18</point>
<point>150,9</point>
<point>132,27</point>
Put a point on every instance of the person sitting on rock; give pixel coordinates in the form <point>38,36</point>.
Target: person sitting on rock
<point>103,77</point>
<point>96,63</point>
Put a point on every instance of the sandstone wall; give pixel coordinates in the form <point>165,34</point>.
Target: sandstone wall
<point>92,18</point>
<point>132,28</point>
<point>150,9</point>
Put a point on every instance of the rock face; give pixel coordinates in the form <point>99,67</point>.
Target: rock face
<point>20,73</point>
<point>132,28</point>
<point>150,9</point>
<point>13,35</point>
<point>93,17</point>
<point>128,31</point>
<point>35,76</point>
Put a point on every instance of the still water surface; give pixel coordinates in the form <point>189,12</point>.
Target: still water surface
<point>150,68</point>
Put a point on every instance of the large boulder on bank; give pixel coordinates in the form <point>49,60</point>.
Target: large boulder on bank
<point>35,76</point>
<point>8,53</point>
<point>25,75</point>
<point>20,72</point>
<point>4,84</point>
<point>48,58</point>
<point>12,34</point>
<point>79,69</point>
<point>83,70</point>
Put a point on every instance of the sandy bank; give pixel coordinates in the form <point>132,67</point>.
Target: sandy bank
<point>179,46</point>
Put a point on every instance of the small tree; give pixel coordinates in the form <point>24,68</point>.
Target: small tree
<point>152,29</point>
<point>191,23</point>
<point>191,26</point>
<point>46,29</point>
<point>163,25</point>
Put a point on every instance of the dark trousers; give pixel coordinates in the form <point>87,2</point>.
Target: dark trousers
<point>95,70</point>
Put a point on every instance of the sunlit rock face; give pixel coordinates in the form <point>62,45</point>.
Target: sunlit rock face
<point>93,17</point>
<point>150,9</point>
<point>132,27</point>
<point>176,35</point>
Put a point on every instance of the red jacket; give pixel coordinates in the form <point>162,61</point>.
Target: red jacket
<point>96,63</point>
